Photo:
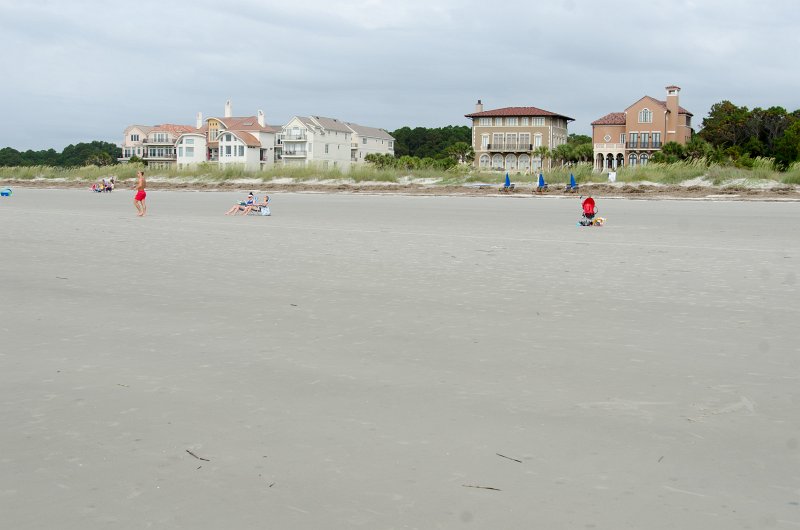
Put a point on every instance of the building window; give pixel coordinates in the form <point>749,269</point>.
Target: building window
<point>632,160</point>
<point>498,121</point>
<point>180,151</point>
<point>538,122</point>
<point>485,121</point>
<point>497,141</point>
<point>645,116</point>
<point>326,147</point>
<point>525,141</point>
<point>526,121</point>
<point>391,144</point>
<point>241,150</point>
<point>512,121</point>
<point>134,138</point>
<point>657,140</point>
<point>364,141</point>
<point>622,138</point>
<point>188,141</point>
<point>633,140</point>
<point>645,139</point>
<point>484,141</point>
<point>537,140</point>
<point>524,162</point>
<point>484,161</point>
<point>227,150</point>
<point>511,140</point>
<point>190,151</point>
<point>643,159</point>
<point>497,161</point>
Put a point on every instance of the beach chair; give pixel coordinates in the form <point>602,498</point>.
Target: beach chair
<point>541,187</point>
<point>572,186</point>
<point>260,209</point>
<point>507,186</point>
<point>589,211</point>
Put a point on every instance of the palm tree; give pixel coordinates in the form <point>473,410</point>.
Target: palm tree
<point>542,152</point>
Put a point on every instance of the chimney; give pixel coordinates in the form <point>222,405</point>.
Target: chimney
<point>479,106</point>
<point>228,110</point>
<point>199,120</point>
<point>672,114</point>
<point>261,122</point>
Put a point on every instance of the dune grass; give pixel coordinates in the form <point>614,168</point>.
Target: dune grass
<point>763,170</point>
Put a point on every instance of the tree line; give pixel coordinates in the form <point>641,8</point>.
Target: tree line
<point>95,153</point>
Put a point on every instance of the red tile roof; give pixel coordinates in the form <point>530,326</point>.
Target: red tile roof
<point>516,111</point>
<point>681,110</point>
<point>615,118</point>
<point>244,123</point>
<point>247,138</point>
<point>176,130</point>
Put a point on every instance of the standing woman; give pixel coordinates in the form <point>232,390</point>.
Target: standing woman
<point>138,200</point>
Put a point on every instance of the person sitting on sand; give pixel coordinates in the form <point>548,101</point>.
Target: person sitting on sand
<point>257,205</point>
<point>241,205</point>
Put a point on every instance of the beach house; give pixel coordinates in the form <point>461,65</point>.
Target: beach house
<point>516,138</point>
<point>368,140</point>
<point>631,137</point>
<point>316,141</point>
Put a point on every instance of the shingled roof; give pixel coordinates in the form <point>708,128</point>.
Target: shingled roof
<point>615,118</point>
<point>516,111</point>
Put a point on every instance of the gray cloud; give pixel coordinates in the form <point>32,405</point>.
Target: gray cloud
<point>85,70</point>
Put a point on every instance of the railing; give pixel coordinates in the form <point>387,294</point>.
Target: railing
<point>644,145</point>
<point>509,146</point>
<point>294,152</point>
<point>294,137</point>
<point>610,147</point>
<point>353,145</point>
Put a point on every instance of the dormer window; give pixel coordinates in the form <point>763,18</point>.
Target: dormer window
<point>645,116</point>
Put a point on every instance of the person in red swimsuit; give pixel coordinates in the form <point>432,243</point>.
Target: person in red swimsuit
<point>138,200</point>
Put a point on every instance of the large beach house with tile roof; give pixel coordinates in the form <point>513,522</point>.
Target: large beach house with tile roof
<point>246,141</point>
<point>631,137</point>
<point>510,138</point>
<point>155,144</point>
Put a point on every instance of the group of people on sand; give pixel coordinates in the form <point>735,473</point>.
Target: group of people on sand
<point>249,205</point>
<point>105,185</point>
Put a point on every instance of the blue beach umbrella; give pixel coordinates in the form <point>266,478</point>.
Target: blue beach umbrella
<point>541,181</point>
<point>572,183</point>
<point>508,181</point>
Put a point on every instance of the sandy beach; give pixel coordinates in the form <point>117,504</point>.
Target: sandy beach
<point>397,362</point>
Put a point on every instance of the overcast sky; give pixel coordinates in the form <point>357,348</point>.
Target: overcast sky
<point>84,70</point>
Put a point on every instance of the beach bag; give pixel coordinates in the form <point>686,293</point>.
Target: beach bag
<point>265,210</point>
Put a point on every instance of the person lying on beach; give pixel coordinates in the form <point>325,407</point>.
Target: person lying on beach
<point>256,205</point>
<point>241,205</point>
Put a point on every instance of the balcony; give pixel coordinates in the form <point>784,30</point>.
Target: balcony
<point>294,137</point>
<point>509,146</point>
<point>609,147</point>
<point>294,153</point>
<point>644,145</point>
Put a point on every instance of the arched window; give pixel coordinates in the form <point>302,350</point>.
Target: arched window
<point>643,159</point>
<point>632,160</point>
<point>485,161</point>
<point>524,162</point>
<point>497,162</point>
<point>511,162</point>
<point>645,116</point>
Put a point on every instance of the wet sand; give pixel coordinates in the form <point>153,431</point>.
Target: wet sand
<point>388,361</point>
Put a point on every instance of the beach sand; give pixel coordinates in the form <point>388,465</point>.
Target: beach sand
<point>382,361</point>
